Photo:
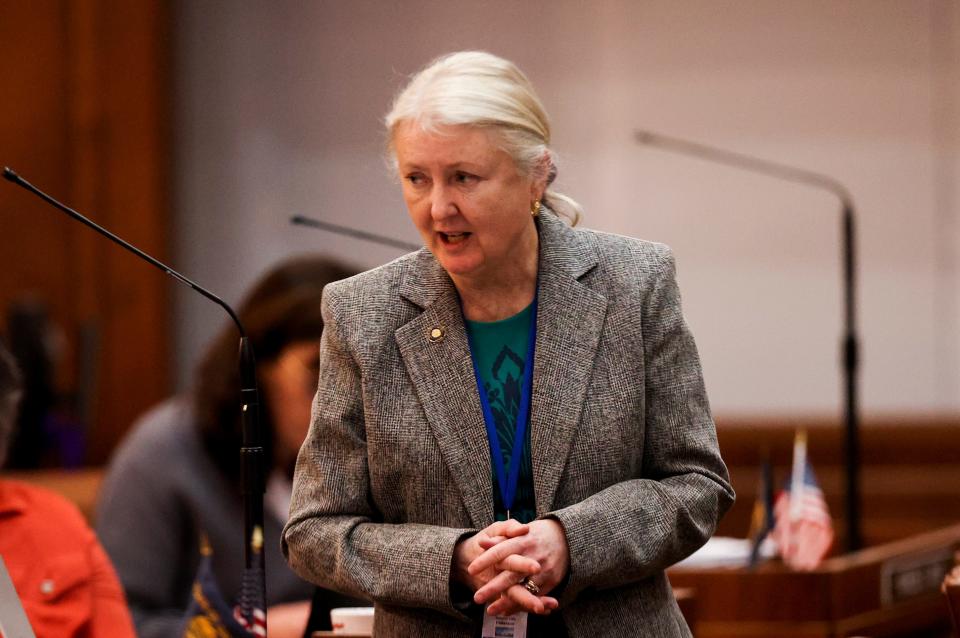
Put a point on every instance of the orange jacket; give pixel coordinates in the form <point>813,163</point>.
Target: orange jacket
<point>65,580</point>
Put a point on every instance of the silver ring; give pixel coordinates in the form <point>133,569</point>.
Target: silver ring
<point>530,586</point>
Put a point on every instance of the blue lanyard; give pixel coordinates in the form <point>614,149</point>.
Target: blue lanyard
<point>508,485</point>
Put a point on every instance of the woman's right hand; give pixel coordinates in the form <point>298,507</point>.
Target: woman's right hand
<point>545,543</point>
<point>507,572</point>
<point>470,548</point>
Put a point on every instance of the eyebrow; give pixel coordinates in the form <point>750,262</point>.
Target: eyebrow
<point>462,165</point>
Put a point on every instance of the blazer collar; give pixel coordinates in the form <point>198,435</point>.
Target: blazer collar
<point>570,319</point>
<point>562,251</point>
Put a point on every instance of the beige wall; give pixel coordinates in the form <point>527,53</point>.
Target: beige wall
<point>279,105</point>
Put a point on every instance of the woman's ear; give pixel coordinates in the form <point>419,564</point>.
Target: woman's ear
<point>541,176</point>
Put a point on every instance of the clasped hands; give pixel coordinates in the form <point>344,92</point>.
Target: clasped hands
<point>494,561</point>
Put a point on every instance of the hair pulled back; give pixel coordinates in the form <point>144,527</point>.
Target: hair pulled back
<point>475,88</point>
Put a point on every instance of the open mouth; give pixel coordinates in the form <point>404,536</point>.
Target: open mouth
<point>453,238</point>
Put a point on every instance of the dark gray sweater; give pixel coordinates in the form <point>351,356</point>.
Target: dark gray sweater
<point>160,492</point>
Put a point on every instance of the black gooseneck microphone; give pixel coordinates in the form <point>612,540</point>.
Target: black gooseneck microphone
<point>850,346</point>
<point>353,232</point>
<point>251,454</point>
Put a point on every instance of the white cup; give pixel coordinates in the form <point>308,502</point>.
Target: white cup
<point>357,621</point>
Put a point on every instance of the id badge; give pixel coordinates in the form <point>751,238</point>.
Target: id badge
<point>512,626</point>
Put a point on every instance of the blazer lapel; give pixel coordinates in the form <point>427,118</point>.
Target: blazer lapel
<point>442,374</point>
<point>570,318</point>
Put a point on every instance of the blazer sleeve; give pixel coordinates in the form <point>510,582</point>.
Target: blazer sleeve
<point>334,536</point>
<point>639,527</point>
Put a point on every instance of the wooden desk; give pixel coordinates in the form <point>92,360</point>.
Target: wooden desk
<point>889,590</point>
<point>687,601</point>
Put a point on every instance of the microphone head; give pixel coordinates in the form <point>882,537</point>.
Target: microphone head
<point>10,175</point>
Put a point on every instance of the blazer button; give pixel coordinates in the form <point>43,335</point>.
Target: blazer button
<point>436,335</point>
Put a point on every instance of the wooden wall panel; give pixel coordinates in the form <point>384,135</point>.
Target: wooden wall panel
<point>85,116</point>
<point>33,139</point>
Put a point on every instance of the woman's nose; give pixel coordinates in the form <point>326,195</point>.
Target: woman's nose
<point>441,202</point>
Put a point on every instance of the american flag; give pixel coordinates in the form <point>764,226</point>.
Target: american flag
<point>250,612</point>
<point>803,528</point>
<point>256,624</point>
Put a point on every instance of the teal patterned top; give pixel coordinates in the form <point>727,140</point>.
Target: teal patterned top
<point>499,349</point>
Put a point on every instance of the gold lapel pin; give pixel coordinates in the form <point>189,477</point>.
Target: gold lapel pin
<point>436,335</point>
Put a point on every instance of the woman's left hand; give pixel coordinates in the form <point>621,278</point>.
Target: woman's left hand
<point>546,543</point>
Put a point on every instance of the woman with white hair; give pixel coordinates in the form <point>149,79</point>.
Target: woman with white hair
<point>511,432</point>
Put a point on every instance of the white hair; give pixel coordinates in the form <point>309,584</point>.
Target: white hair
<point>475,88</point>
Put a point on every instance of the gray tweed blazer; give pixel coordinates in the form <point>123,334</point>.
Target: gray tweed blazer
<point>396,466</point>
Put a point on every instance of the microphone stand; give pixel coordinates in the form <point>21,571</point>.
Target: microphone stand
<point>352,232</point>
<point>251,454</point>
<point>850,346</point>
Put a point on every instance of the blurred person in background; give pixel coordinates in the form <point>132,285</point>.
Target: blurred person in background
<point>176,476</point>
<point>61,573</point>
<point>50,430</point>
